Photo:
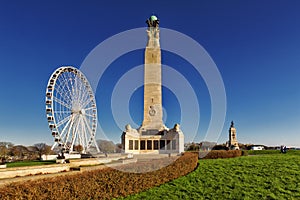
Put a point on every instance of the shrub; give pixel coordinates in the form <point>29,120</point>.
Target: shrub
<point>214,154</point>
<point>100,184</point>
<point>244,153</point>
<point>220,147</point>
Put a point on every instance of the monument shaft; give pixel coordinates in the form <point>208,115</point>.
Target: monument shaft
<point>152,83</point>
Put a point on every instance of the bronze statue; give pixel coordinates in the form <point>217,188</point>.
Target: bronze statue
<point>153,21</point>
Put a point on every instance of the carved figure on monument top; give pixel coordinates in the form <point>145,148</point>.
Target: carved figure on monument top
<point>153,32</point>
<point>232,124</point>
<point>153,21</point>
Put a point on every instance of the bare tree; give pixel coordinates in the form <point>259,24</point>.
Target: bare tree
<point>6,144</point>
<point>42,148</point>
<point>4,148</point>
<point>19,152</point>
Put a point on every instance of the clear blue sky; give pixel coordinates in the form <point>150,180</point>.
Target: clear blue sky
<point>255,45</point>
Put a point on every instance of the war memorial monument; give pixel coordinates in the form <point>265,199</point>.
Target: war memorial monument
<point>232,143</point>
<point>153,136</point>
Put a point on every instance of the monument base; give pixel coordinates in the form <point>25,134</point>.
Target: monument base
<point>153,141</point>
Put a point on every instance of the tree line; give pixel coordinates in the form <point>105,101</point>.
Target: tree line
<point>10,152</point>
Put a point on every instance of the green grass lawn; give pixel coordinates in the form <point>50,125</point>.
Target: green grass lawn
<point>29,163</point>
<point>260,152</point>
<point>274,176</point>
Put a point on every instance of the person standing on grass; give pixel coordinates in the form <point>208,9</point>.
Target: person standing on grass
<point>284,149</point>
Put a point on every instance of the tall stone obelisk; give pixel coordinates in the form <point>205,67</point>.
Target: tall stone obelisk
<point>153,115</point>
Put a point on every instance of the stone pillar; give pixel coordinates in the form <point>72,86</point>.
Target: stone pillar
<point>152,83</point>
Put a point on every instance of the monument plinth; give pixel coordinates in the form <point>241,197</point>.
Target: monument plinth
<point>153,136</point>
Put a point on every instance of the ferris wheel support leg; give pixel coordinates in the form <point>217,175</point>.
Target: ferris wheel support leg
<point>98,150</point>
<point>54,145</point>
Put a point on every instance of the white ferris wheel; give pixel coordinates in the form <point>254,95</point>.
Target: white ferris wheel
<point>71,110</point>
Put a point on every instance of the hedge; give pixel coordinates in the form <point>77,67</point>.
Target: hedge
<point>214,154</point>
<point>107,183</point>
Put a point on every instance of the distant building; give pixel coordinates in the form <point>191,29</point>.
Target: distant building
<point>257,148</point>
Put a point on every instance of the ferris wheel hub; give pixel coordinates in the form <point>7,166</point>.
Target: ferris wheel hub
<point>78,111</point>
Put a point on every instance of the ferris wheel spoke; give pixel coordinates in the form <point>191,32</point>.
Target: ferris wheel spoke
<point>62,93</point>
<point>88,126</point>
<point>84,95</point>
<point>62,112</point>
<point>65,132</point>
<point>73,86</point>
<point>77,86</point>
<point>89,135</point>
<point>63,121</point>
<point>69,84</point>
<point>80,135</point>
<point>61,102</point>
<point>68,89</point>
<point>88,115</point>
<point>90,108</point>
<point>86,103</point>
<point>81,99</point>
<point>62,135</point>
<point>83,135</point>
<point>70,130</point>
<point>75,133</point>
